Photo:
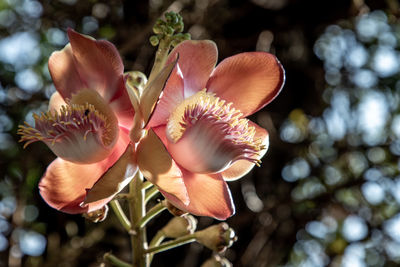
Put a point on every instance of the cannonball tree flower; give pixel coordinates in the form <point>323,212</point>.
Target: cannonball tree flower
<point>86,126</point>
<point>198,135</point>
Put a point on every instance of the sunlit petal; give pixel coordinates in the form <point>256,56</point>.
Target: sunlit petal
<point>64,72</point>
<point>64,184</point>
<point>248,80</point>
<point>209,196</point>
<point>158,167</point>
<point>115,179</point>
<point>98,64</point>
<point>171,96</point>
<point>153,91</point>
<point>197,59</point>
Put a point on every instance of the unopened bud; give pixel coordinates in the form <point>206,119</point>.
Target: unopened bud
<point>172,209</point>
<point>217,237</point>
<point>158,26</point>
<point>217,261</point>
<point>154,41</point>
<point>97,215</point>
<point>171,17</point>
<point>180,226</point>
<point>169,30</point>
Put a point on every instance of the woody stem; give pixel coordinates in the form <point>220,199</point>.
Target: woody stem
<point>137,212</point>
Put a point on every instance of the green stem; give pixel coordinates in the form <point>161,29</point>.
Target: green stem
<point>108,257</point>
<point>172,244</point>
<point>120,214</point>
<point>137,212</point>
<point>156,241</point>
<point>151,214</point>
<point>150,193</point>
<point>147,185</point>
<point>161,57</point>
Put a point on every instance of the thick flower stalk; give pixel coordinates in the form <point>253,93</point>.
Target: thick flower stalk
<point>197,134</point>
<point>86,126</point>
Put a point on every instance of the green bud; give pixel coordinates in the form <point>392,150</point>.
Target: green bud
<point>180,226</point>
<point>175,42</point>
<point>169,30</point>
<point>187,36</point>
<point>178,27</point>
<point>154,41</point>
<point>135,78</point>
<point>217,237</point>
<point>171,17</point>
<point>158,26</point>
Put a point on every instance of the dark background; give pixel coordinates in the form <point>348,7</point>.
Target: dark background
<point>323,196</point>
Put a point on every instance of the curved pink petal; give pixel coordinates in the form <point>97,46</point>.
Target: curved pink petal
<point>115,178</point>
<point>197,60</point>
<point>241,167</point>
<point>159,168</point>
<point>122,106</point>
<point>98,64</point>
<point>64,184</point>
<point>153,91</point>
<point>208,193</point>
<point>64,72</point>
<point>171,96</point>
<point>248,80</point>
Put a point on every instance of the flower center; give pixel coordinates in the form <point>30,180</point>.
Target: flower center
<point>206,134</point>
<point>81,131</point>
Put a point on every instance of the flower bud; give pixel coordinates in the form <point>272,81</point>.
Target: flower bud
<point>97,215</point>
<point>172,209</point>
<point>180,226</point>
<point>217,261</point>
<point>217,237</point>
<point>171,17</point>
<point>154,41</point>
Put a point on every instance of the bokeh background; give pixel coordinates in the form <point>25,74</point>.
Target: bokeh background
<point>328,191</point>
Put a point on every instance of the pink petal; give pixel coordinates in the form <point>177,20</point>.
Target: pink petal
<point>154,90</point>
<point>159,168</point>
<point>64,72</point>
<point>248,80</point>
<point>171,96</point>
<point>241,167</point>
<point>115,179</point>
<point>98,64</point>
<point>64,184</point>
<point>122,106</point>
<point>209,196</point>
<point>197,59</point>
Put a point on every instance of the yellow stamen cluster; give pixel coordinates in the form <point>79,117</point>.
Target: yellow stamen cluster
<point>228,121</point>
<point>51,126</point>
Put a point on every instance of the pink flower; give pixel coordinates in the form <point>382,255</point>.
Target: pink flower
<point>86,126</point>
<point>198,137</point>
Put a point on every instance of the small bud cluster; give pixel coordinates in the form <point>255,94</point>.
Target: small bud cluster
<point>171,27</point>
